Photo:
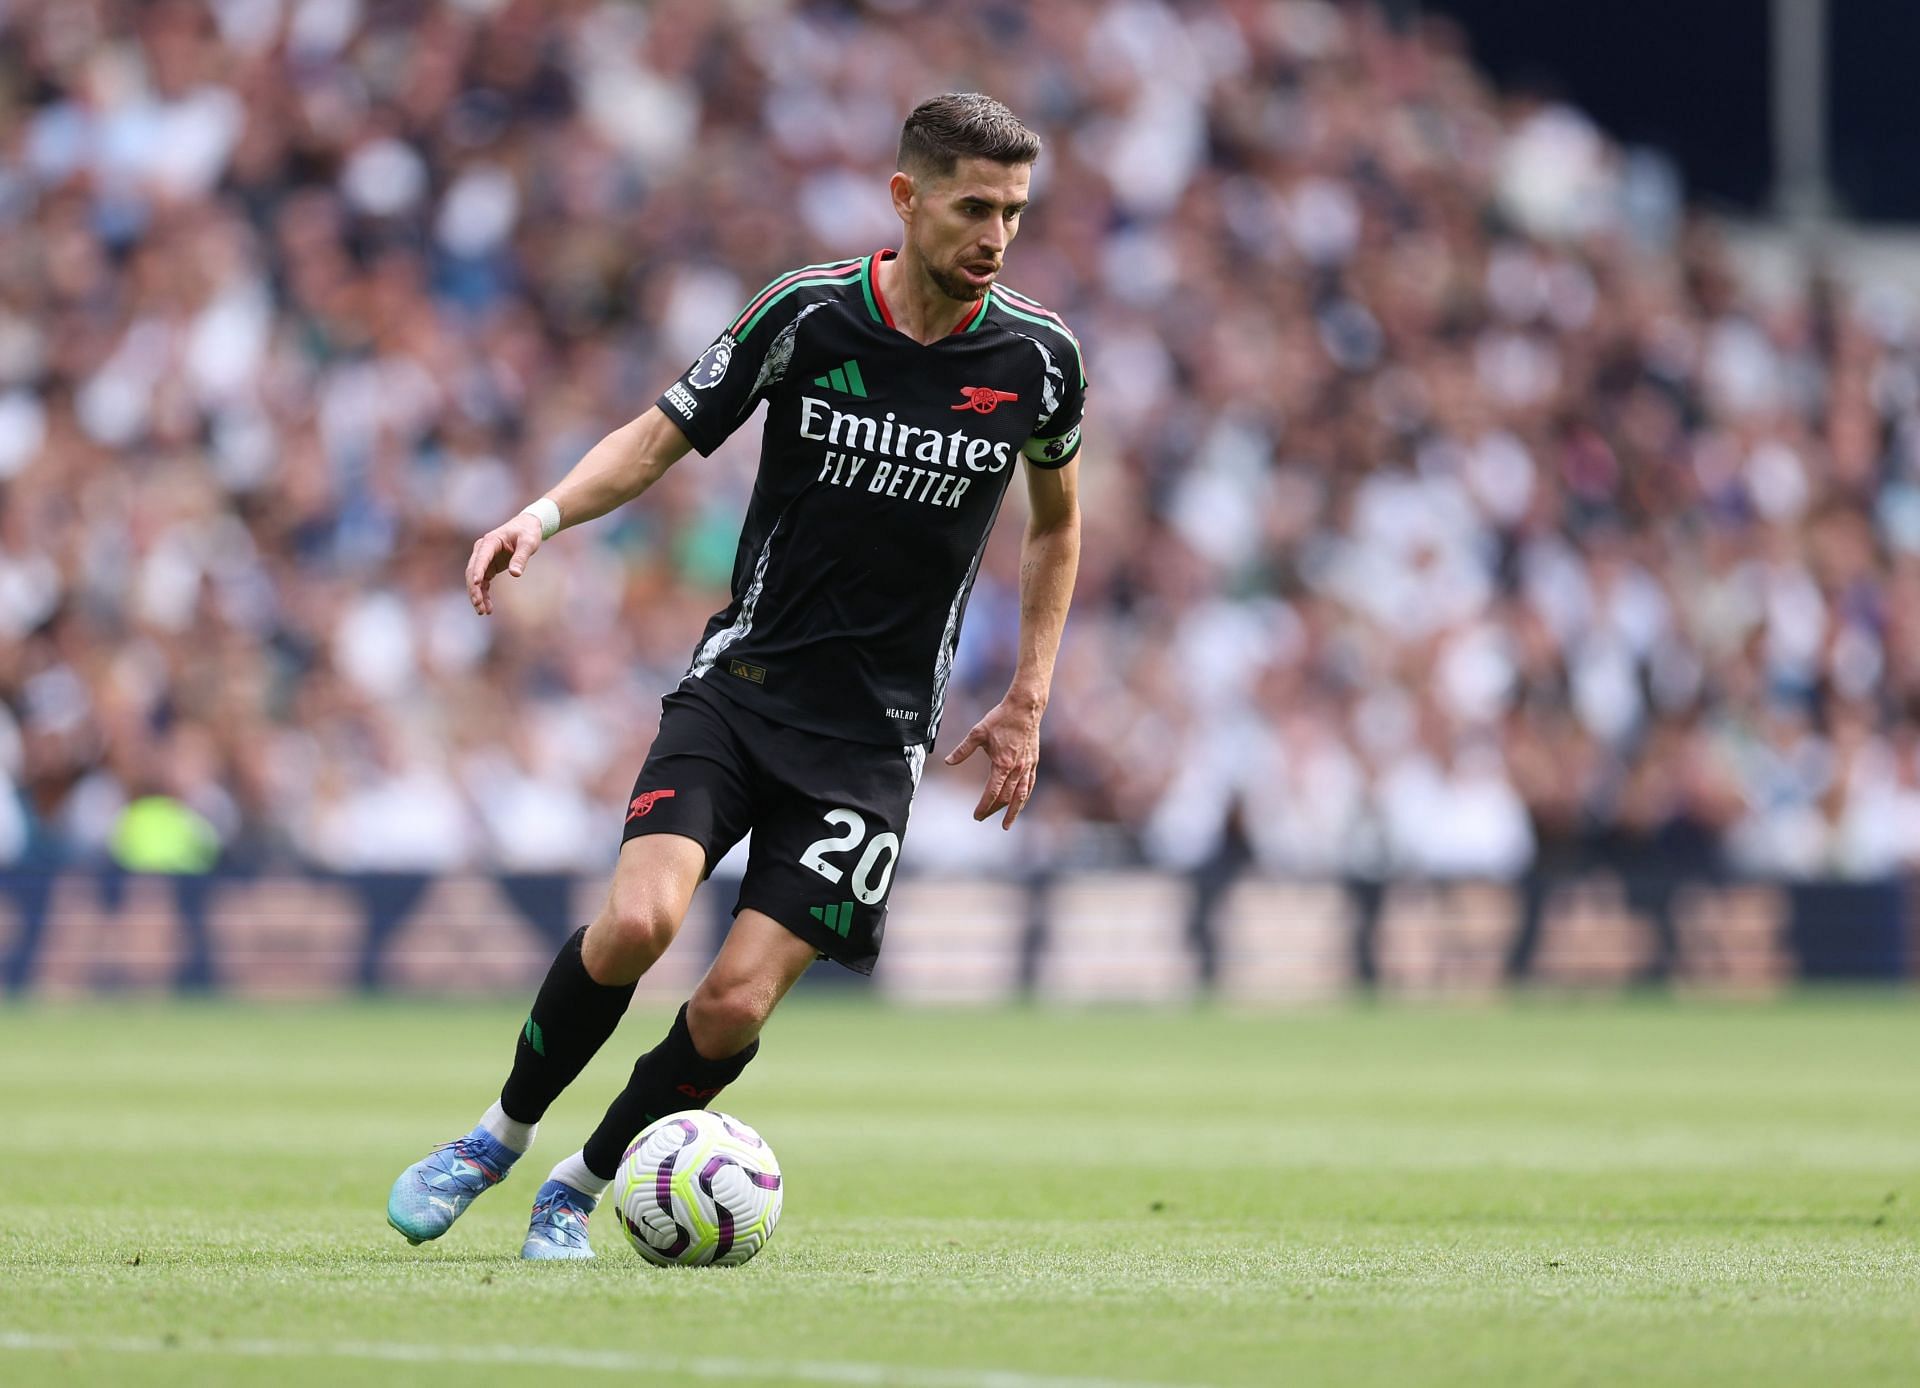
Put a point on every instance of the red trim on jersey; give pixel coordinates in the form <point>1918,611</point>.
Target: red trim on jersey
<point>886,314</point>
<point>873,278</point>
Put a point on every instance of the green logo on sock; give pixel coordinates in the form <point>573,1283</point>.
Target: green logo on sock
<point>534,1038</point>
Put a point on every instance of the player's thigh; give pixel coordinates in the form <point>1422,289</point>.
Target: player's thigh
<point>691,803</point>
<point>697,783</point>
<point>758,962</point>
<point>654,880</point>
<point>826,844</point>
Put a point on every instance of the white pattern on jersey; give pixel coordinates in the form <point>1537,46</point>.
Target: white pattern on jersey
<point>1052,382</point>
<point>743,623</point>
<point>950,638</point>
<point>779,356</point>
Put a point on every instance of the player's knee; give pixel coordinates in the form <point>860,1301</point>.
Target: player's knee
<point>725,1016</point>
<point>638,931</point>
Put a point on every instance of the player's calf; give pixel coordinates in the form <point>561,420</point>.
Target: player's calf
<point>674,1075</point>
<point>573,1015</point>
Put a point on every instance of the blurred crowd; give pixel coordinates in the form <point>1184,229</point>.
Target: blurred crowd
<point>1451,507</point>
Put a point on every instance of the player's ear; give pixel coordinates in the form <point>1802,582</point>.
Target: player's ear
<point>905,194</point>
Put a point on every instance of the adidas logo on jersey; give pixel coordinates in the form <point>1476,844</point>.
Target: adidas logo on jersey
<point>844,378</point>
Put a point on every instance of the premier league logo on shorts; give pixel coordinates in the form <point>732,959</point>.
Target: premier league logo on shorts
<point>712,366</point>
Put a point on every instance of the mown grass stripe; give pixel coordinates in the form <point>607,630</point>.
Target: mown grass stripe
<point>555,1356</point>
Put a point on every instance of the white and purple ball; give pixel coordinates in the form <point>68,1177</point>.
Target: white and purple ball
<point>697,1188</point>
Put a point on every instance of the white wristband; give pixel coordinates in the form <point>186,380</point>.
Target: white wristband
<point>547,512</point>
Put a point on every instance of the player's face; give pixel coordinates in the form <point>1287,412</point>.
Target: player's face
<point>961,225</point>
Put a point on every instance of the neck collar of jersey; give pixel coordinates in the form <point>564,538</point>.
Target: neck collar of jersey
<point>877,303</point>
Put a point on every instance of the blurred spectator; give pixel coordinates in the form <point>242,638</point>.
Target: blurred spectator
<point>156,833</point>
<point>1449,504</point>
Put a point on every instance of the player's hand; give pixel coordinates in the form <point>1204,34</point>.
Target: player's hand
<point>506,547</point>
<point>1011,735</point>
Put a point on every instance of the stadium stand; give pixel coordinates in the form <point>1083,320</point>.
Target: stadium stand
<point>1452,509</point>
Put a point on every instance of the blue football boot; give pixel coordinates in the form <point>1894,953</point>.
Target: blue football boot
<point>559,1225</point>
<point>437,1189</point>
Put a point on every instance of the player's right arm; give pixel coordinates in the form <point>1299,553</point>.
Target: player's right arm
<point>712,398</point>
<point>615,471</point>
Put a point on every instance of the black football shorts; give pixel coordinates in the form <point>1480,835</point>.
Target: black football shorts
<point>827,815</point>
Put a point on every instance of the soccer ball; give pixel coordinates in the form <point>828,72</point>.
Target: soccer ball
<point>697,1188</point>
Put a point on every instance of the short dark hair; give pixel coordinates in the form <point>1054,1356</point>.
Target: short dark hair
<point>943,130</point>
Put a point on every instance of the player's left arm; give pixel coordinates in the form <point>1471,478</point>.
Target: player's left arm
<point>1049,559</point>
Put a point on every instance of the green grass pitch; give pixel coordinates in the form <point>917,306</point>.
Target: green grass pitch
<point>1592,1193</point>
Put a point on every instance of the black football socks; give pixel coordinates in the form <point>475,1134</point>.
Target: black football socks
<point>572,1018</point>
<point>670,1077</point>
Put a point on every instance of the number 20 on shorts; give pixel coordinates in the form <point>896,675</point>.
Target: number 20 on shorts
<point>853,831</point>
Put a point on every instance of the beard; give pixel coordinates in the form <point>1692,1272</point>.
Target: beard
<point>955,285</point>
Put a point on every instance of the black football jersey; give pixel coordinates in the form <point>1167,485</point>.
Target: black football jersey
<point>882,465</point>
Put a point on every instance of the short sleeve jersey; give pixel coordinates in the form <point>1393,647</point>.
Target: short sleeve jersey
<point>883,463</point>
